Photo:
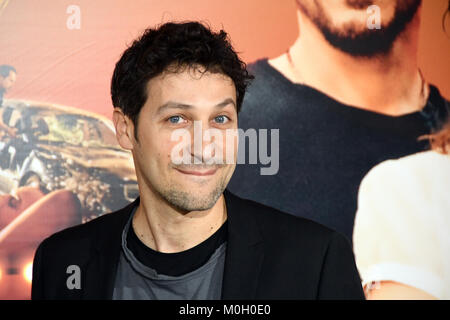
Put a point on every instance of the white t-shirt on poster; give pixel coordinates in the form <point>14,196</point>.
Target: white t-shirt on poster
<point>402,225</point>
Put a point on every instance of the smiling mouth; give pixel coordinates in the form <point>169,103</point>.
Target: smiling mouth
<point>208,172</point>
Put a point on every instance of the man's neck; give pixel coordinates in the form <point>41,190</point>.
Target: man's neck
<point>165,229</point>
<point>390,84</point>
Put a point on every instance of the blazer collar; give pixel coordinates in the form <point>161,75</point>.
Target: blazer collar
<point>245,252</point>
<point>244,255</point>
<point>102,268</point>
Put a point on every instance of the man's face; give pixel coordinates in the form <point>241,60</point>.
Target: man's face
<point>344,23</point>
<point>175,101</point>
<point>9,81</point>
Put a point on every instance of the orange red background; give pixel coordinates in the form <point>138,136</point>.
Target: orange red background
<point>74,67</point>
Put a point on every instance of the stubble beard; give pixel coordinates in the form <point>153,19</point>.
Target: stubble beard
<point>187,201</point>
<point>368,42</point>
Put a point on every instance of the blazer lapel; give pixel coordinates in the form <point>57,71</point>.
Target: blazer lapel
<point>102,267</point>
<point>245,251</point>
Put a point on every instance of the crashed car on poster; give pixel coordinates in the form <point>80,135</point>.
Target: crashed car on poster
<point>59,147</point>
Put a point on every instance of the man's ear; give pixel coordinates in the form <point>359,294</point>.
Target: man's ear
<point>124,129</point>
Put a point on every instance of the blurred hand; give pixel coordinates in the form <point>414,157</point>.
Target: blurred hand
<point>12,132</point>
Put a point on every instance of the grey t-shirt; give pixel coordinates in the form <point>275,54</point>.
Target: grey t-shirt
<point>136,281</point>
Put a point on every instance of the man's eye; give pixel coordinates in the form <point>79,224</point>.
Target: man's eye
<point>175,119</point>
<point>221,119</point>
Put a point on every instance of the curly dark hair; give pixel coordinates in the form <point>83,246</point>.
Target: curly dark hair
<point>169,47</point>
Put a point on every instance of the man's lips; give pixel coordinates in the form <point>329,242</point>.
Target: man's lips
<point>208,172</point>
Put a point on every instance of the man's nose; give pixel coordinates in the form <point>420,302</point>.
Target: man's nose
<point>201,140</point>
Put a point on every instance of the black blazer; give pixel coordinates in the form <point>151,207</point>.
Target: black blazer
<point>270,255</point>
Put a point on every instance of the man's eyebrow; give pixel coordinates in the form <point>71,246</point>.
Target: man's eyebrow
<point>178,105</point>
<point>173,105</point>
<point>226,102</point>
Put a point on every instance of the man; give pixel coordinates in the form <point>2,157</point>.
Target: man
<point>7,80</point>
<point>186,237</point>
<point>345,98</point>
